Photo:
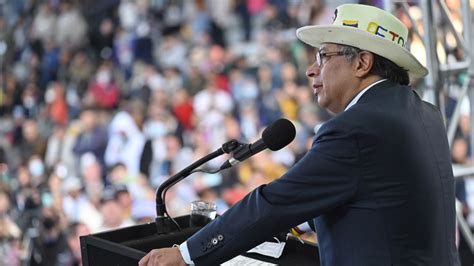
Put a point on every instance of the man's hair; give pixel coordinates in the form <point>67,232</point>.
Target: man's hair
<point>382,67</point>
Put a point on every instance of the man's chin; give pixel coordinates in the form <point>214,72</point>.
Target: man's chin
<point>325,106</point>
<point>321,102</point>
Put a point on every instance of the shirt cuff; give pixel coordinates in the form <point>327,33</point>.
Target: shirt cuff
<point>183,248</point>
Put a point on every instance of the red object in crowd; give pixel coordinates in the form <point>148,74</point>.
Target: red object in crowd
<point>222,82</point>
<point>58,111</point>
<point>105,95</point>
<point>184,114</point>
<point>233,195</point>
<point>256,6</point>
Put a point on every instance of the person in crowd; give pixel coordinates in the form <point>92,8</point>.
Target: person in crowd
<point>378,175</point>
<point>10,233</point>
<point>77,207</point>
<point>73,256</point>
<point>37,172</point>
<point>59,147</point>
<point>124,199</point>
<point>93,136</point>
<point>50,241</point>
<point>71,27</point>
<point>111,212</point>
<point>92,175</point>
<point>210,106</point>
<point>56,108</point>
<point>27,198</point>
<point>44,22</point>
<point>30,142</point>
<point>126,138</point>
<point>182,107</point>
<point>104,91</point>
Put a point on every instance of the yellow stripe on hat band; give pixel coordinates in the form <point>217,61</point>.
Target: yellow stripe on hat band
<point>351,23</point>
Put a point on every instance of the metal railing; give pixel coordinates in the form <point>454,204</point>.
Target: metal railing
<point>433,12</point>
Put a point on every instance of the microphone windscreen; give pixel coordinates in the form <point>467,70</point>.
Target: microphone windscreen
<point>279,134</point>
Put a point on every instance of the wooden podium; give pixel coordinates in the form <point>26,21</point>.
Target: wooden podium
<point>126,246</point>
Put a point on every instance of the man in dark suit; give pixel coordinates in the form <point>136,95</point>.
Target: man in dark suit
<point>377,182</point>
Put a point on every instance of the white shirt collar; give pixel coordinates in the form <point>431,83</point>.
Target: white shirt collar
<point>357,97</point>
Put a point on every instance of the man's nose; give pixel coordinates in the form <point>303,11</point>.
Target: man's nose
<point>313,71</point>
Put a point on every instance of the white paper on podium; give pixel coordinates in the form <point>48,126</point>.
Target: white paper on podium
<point>270,249</point>
<point>242,260</point>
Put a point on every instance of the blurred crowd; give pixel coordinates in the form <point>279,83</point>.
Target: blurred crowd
<point>101,101</point>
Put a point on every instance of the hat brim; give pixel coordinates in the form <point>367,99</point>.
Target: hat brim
<point>317,35</point>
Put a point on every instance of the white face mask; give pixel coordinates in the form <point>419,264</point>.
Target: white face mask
<point>103,77</point>
<point>50,95</point>
<point>29,102</point>
<point>36,168</point>
<point>156,130</point>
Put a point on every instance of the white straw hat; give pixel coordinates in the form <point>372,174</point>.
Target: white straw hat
<point>368,28</point>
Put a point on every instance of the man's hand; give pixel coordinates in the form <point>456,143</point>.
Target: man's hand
<point>163,257</point>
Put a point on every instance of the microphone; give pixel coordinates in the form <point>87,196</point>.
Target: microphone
<point>276,136</point>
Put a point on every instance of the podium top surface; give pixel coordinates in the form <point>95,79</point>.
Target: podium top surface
<point>126,246</point>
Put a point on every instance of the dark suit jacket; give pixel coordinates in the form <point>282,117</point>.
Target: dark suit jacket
<point>377,181</point>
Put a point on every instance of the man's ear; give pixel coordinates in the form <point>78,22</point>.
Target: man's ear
<point>365,61</point>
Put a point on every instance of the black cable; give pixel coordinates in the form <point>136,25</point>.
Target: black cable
<point>166,211</point>
<point>215,171</point>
